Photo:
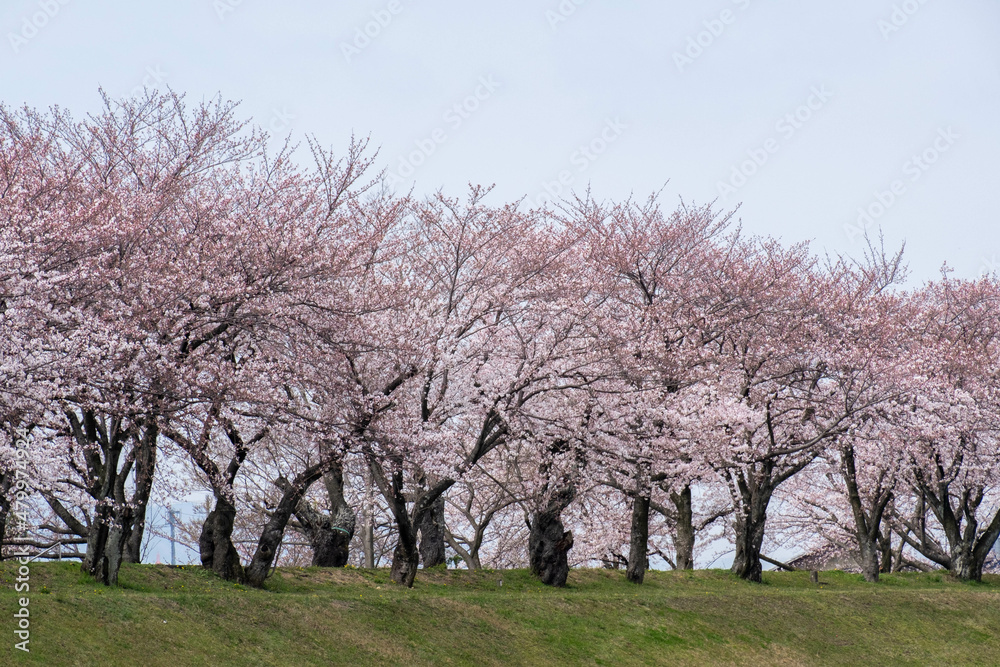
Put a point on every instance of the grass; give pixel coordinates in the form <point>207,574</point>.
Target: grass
<point>184,616</point>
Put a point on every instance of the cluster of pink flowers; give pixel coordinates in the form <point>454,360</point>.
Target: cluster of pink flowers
<point>182,309</point>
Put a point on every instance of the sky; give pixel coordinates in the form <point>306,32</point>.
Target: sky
<point>819,120</point>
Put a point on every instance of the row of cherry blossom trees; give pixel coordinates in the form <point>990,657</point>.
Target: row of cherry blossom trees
<point>185,311</point>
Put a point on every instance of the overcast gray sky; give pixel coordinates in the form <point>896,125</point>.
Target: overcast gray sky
<point>808,113</point>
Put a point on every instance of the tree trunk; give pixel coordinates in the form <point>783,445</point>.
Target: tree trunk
<point>967,548</point>
<point>684,529</point>
<point>145,466</point>
<point>867,523</point>
<point>869,558</point>
<point>106,542</point>
<point>330,543</point>
<point>368,539</point>
<point>548,542</point>
<point>368,531</point>
<point>885,547</point>
<point>342,518</point>
<point>749,524</point>
<point>432,533</point>
<point>968,559</point>
<point>405,557</point>
<point>215,543</point>
<point>638,540</point>
<point>749,538</point>
<point>103,441</point>
<point>329,535</point>
<point>274,530</point>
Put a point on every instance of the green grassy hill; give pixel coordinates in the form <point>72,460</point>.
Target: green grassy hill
<point>183,616</point>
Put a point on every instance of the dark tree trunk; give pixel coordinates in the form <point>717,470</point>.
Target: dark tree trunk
<point>869,558</point>
<point>215,543</point>
<point>331,545</point>
<point>218,553</point>
<point>103,442</point>
<point>406,555</point>
<point>684,528</point>
<point>638,540</point>
<point>274,530</point>
<point>967,548</point>
<point>145,466</point>
<point>969,557</point>
<point>749,538</point>
<point>405,559</point>
<point>329,535</point>
<point>432,535</point>
<point>368,529</point>
<point>885,550</point>
<point>342,518</point>
<point>867,521</point>
<point>115,535</point>
<point>749,523</point>
<point>752,487</point>
<point>548,542</point>
<point>96,562</point>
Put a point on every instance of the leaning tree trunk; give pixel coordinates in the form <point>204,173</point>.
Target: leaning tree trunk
<point>432,535</point>
<point>406,555</point>
<point>274,530</point>
<point>684,529</point>
<point>548,542</point>
<point>638,540</point>
<point>218,553</point>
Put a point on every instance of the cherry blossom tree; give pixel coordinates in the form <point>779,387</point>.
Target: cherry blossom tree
<point>951,434</point>
<point>652,271</point>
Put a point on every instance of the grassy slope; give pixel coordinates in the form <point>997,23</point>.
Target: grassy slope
<point>172,616</point>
